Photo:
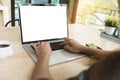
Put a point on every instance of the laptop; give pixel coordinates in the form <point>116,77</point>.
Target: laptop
<point>45,22</point>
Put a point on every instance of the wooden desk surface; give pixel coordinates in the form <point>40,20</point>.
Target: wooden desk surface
<point>19,66</point>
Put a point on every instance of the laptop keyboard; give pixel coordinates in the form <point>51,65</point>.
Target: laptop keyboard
<point>56,46</point>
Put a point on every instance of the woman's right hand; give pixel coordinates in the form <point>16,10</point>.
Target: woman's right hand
<point>42,49</point>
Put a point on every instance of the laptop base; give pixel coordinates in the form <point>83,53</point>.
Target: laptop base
<point>58,56</point>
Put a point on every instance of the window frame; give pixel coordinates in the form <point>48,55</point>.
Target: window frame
<point>13,11</point>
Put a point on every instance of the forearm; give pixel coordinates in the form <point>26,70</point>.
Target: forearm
<point>97,53</point>
<point>41,69</point>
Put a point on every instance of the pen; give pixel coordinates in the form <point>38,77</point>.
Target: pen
<point>91,47</point>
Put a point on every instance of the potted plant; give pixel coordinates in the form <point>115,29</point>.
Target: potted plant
<point>111,24</point>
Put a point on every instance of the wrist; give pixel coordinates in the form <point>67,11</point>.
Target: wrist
<point>81,48</point>
<point>44,57</point>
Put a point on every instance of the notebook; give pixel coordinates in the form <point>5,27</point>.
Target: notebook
<point>45,22</point>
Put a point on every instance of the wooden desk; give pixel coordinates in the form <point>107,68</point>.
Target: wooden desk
<point>19,66</point>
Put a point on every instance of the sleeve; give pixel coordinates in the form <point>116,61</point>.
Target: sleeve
<point>81,76</point>
<point>43,79</point>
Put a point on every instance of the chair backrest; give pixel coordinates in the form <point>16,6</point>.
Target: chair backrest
<point>41,1</point>
<point>6,25</point>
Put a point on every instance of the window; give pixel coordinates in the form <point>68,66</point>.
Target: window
<point>14,7</point>
<point>92,12</point>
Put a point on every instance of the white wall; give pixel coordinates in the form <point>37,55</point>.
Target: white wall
<point>8,4</point>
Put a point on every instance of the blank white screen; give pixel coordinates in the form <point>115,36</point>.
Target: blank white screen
<point>43,22</point>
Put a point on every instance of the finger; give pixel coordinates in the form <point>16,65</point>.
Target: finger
<point>47,43</point>
<point>39,43</point>
<point>63,44</point>
<point>44,43</point>
<point>34,46</point>
<point>68,48</point>
<point>66,41</point>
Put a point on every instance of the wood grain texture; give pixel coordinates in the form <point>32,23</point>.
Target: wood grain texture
<point>20,66</point>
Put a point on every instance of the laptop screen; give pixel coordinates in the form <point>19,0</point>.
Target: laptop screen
<point>43,22</point>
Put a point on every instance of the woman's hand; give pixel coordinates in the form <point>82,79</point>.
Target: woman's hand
<point>42,49</point>
<point>71,45</point>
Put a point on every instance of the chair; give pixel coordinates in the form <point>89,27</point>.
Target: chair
<point>6,25</point>
<point>41,1</point>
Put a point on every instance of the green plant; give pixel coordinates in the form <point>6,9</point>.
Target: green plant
<point>112,21</point>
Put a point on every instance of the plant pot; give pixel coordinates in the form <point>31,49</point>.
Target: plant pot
<point>110,30</point>
<point>119,33</point>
